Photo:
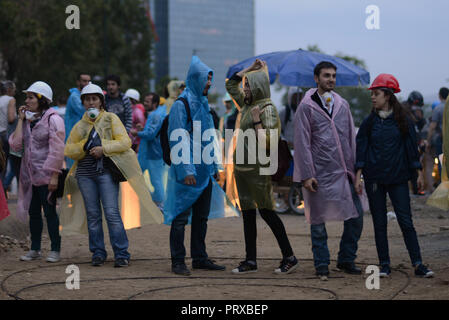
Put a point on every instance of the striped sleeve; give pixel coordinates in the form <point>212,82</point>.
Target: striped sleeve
<point>128,114</point>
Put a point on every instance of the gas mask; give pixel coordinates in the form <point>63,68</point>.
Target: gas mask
<point>93,113</point>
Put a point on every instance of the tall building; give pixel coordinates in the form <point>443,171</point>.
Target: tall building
<point>220,32</point>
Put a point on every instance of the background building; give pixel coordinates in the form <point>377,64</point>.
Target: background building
<point>220,32</point>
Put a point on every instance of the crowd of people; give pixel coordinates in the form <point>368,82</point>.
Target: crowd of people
<point>102,140</point>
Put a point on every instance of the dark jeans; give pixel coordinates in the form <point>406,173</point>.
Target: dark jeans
<point>39,200</point>
<point>400,198</point>
<point>276,226</point>
<point>103,188</point>
<point>200,214</point>
<point>349,239</point>
<point>14,171</point>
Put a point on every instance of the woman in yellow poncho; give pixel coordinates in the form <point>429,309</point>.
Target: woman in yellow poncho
<point>440,197</point>
<point>103,157</point>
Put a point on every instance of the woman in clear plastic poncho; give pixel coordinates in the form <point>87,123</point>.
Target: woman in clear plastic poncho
<point>254,189</point>
<point>101,148</point>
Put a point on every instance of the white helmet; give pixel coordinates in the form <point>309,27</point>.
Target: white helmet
<point>91,89</point>
<point>133,94</point>
<point>40,87</point>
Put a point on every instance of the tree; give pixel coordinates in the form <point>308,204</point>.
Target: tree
<point>114,37</point>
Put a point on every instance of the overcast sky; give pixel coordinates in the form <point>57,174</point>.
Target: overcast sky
<point>411,44</point>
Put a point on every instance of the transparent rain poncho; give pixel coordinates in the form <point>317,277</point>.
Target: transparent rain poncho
<point>137,207</point>
<point>179,196</point>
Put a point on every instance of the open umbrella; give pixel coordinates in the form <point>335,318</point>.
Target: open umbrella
<point>295,68</point>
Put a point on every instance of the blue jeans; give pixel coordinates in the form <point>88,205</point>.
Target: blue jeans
<point>400,198</point>
<point>103,188</point>
<point>348,244</point>
<point>200,214</point>
<point>39,201</point>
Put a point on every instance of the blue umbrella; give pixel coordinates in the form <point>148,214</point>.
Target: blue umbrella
<point>295,68</point>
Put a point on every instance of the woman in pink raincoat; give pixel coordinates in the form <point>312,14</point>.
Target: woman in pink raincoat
<point>40,132</point>
<point>325,162</point>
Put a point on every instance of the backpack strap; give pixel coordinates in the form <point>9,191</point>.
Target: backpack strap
<point>186,105</point>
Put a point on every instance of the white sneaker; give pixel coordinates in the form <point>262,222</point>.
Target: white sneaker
<point>53,256</point>
<point>31,255</point>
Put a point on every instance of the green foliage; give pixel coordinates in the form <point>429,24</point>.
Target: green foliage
<point>114,37</point>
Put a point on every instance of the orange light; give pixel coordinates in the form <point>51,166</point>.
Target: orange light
<point>130,208</point>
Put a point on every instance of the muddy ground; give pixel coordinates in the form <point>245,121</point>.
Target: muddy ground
<point>149,276</point>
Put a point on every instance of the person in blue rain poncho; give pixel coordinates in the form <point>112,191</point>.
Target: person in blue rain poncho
<point>74,108</point>
<point>150,151</point>
<point>191,187</point>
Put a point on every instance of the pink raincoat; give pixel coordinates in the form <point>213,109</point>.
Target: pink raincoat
<point>43,155</point>
<point>325,150</point>
<point>138,117</point>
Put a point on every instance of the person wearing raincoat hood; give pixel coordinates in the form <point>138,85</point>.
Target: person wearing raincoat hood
<point>324,162</point>
<point>254,189</point>
<point>191,184</point>
<point>101,148</point>
<point>173,90</point>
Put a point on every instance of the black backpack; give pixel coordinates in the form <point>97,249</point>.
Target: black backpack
<point>163,132</point>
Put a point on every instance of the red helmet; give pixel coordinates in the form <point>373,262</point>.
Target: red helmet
<point>385,80</point>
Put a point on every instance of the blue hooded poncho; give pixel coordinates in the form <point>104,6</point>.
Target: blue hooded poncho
<point>150,153</point>
<point>74,112</point>
<point>179,196</point>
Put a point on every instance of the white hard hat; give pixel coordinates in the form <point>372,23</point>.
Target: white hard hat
<point>91,89</point>
<point>40,87</point>
<point>133,94</point>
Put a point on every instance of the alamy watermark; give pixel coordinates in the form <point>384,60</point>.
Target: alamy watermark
<point>372,22</point>
<point>73,20</point>
<point>73,280</point>
<point>373,280</point>
<point>208,149</point>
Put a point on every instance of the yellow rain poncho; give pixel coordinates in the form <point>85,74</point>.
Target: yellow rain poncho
<point>137,208</point>
<point>172,88</point>
<point>440,197</point>
<point>254,190</point>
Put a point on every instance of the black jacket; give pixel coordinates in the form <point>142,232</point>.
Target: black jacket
<point>383,153</point>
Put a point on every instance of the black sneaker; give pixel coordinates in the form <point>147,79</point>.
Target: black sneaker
<point>422,271</point>
<point>245,267</point>
<point>287,266</point>
<point>385,271</point>
<point>119,263</point>
<point>207,265</point>
<point>322,271</point>
<point>180,269</point>
<point>349,267</point>
<point>97,261</point>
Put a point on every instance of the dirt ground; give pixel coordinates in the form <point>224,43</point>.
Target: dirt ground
<point>149,276</point>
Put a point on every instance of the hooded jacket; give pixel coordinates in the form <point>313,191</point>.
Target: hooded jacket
<point>261,96</point>
<point>179,196</point>
<point>254,189</point>
<point>117,146</point>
